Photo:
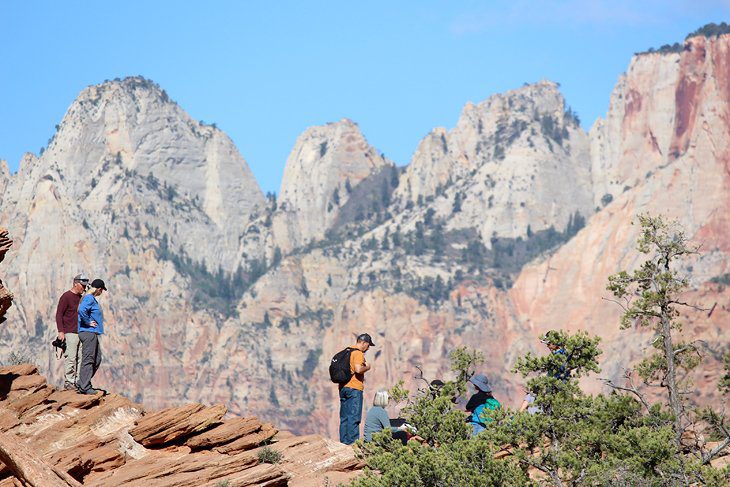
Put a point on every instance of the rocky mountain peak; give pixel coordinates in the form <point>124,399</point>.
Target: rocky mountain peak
<point>326,164</point>
<point>533,115</point>
<point>131,127</point>
<point>509,164</point>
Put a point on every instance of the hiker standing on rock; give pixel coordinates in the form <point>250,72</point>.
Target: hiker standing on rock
<point>348,369</point>
<point>91,325</point>
<point>67,326</point>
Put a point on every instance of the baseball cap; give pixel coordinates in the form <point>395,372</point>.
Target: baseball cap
<point>81,277</point>
<point>364,337</point>
<point>98,284</point>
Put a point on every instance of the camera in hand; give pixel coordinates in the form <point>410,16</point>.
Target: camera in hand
<point>58,343</point>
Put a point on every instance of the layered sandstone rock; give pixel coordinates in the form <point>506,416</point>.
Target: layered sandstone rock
<point>6,297</point>
<point>108,441</point>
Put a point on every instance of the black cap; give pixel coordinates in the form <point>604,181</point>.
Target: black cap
<point>364,337</point>
<point>98,284</point>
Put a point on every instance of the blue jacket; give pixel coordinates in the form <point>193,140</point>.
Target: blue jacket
<point>89,310</point>
<point>561,373</point>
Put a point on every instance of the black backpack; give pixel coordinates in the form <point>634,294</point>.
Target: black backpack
<point>340,366</point>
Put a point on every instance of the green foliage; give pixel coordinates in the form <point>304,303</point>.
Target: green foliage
<point>269,455</point>
<point>463,463</point>
<point>649,297</point>
<point>214,290</point>
<point>711,30</point>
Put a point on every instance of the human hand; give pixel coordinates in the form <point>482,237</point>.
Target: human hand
<point>92,324</point>
<point>61,336</point>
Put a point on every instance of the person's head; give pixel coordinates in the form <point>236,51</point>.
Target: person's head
<point>552,340</point>
<point>381,398</point>
<point>436,384</point>
<point>97,287</point>
<point>364,342</point>
<point>80,283</point>
<point>481,382</point>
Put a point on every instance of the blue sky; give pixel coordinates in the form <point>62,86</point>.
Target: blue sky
<point>264,71</point>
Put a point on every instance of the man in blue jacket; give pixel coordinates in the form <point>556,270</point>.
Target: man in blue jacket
<point>91,325</point>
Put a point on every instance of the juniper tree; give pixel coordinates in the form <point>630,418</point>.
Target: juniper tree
<point>651,297</point>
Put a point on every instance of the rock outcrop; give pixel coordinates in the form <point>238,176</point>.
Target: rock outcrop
<point>61,438</point>
<point>6,297</point>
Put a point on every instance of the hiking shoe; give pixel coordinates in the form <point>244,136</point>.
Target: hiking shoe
<point>67,386</point>
<point>90,391</point>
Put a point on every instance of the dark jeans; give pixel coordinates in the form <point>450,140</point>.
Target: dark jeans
<point>350,415</point>
<point>90,359</point>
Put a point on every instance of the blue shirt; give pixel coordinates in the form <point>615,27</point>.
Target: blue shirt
<point>376,420</point>
<point>89,310</point>
<point>562,373</point>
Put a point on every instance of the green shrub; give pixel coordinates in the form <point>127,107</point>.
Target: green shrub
<point>269,455</point>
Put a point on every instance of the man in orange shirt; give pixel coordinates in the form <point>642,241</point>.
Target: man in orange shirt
<point>351,392</point>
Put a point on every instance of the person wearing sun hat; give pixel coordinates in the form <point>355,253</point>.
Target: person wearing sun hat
<point>91,327</point>
<point>480,403</point>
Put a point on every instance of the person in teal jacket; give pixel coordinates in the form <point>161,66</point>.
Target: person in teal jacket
<point>91,327</point>
<point>480,403</point>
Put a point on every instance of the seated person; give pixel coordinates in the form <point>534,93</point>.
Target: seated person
<point>377,419</point>
<point>480,403</point>
<point>528,404</point>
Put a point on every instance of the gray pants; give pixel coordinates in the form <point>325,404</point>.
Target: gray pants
<point>72,358</point>
<point>90,359</point>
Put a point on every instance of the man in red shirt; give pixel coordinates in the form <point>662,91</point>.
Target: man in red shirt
<point>67,325</point>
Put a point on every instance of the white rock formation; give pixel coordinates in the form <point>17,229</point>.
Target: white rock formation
<point>325,165</point>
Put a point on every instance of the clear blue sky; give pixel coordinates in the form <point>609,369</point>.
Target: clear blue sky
<point>264,71</point>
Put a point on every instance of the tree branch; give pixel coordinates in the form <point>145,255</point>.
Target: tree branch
<point>706,458</point>
<point>693,306</point>
<point>632,389</point>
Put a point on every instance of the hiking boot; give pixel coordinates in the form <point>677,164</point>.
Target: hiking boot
<point>90,391</point>
<point>67,386</point>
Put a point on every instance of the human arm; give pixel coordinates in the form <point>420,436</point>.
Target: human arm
<point>384,420</point>
<point>361,368</point>
<point>60,310</point>
<point>357,362</point>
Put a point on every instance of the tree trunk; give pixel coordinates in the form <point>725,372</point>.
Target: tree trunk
<point>674,400</point>
<point>30,469</point>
